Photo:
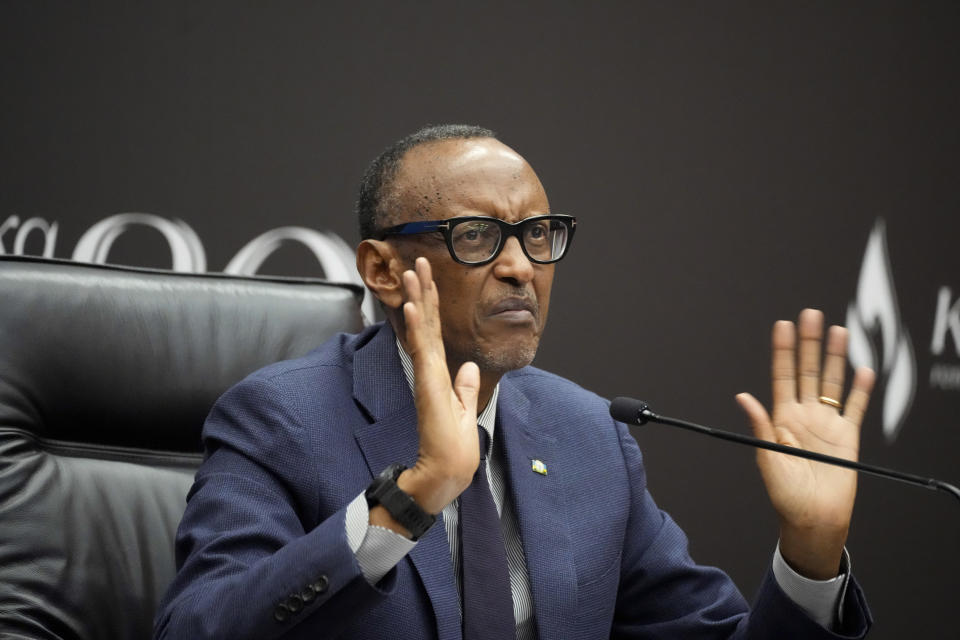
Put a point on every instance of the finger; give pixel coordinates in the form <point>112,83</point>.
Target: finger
<point>835,363</point>
<point>411,286</point>
<point>430,297</point>
<point>810,329</point>
<point>856,406</point>
<point>783,362</point>
<point>467,387</point>
<point>420,343</point>
<point>412,314</point>
<point>412,320</point>
<point>759,418</point>
<point>422,296</point>
<point>425,278</point>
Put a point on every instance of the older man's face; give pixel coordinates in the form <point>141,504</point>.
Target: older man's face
<point>492,314</point>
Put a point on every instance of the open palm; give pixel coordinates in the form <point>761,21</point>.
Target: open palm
<point>813,500</point>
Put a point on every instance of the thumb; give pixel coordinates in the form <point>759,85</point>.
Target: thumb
<point>467,387</point>
<point>759,418</point>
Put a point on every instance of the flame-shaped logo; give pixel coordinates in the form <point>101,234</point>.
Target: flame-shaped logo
<point>875,312</point>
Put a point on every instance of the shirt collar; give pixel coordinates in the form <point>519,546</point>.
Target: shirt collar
<point>487,417</point>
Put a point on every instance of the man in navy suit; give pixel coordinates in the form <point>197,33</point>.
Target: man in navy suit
<point>337,497</point>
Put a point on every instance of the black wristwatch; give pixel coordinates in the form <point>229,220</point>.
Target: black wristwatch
<point>398,503</point>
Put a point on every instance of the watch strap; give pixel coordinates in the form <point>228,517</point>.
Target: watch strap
<point>398,503</point>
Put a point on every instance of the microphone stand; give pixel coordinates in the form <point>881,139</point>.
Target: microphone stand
<point>638,412</point>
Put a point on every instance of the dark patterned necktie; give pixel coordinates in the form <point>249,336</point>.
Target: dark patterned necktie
<point>487,603</point>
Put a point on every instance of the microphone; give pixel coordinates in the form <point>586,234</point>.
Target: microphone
<point>631,411</point>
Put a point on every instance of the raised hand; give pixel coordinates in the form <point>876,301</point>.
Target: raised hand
<point>814,501</point>
<point>447,413</point>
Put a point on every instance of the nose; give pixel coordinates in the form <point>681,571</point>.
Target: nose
<point>512,264</point>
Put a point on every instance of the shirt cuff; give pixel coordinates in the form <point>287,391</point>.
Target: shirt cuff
<point>377,549</point>
<point>819,599</point>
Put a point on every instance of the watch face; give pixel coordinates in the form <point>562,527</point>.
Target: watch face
<point>393,471</point>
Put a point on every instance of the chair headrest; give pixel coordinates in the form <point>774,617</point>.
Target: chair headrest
<point>136,357</point>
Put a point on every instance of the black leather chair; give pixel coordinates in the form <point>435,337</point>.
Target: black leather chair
<point>106,376</point>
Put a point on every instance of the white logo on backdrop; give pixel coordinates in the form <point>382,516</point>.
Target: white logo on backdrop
<point>185,246</point>
<point>336,258</point>
<point>48,230</point>
<point>945,375</point>
<point>947,322</point>
<point>875,311</point>
<point>334,255</point>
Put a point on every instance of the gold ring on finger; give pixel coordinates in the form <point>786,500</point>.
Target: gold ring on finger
<point>830,401</point>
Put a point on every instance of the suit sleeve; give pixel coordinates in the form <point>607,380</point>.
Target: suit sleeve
<point>252,560</point>
<point>664,593</point>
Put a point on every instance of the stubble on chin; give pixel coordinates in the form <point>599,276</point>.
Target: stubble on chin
<point>502,358</point>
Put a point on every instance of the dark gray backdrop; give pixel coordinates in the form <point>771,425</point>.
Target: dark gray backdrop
<point>727,162</point>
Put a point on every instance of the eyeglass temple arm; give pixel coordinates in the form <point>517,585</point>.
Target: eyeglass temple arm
<point>422,226</point>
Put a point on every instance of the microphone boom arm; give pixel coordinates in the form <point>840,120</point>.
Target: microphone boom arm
<point>624,408</point>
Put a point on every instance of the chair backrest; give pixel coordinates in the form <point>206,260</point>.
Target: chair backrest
<point>106,377</point>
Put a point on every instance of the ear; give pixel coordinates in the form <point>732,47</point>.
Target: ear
<point>381,270</point>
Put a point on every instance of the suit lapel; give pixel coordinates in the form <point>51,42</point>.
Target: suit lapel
<point>381,388</point>
<point>538,501</point>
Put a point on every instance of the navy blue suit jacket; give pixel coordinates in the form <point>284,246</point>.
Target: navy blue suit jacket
<point>262,550</point>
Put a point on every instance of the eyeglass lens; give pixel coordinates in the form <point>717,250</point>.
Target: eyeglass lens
<point>478,240</point>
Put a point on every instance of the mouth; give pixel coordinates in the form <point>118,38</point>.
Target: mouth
<point>515,310</point>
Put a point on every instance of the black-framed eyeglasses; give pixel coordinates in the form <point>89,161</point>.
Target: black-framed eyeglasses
<point>476,240</point>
